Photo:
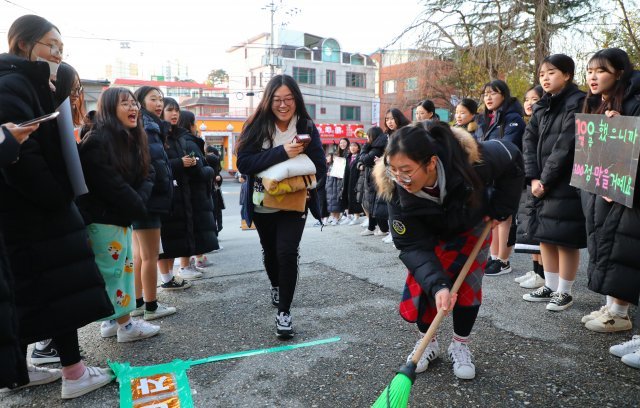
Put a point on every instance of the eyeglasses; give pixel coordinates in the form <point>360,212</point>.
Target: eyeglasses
<point>491,94</point>
<point>130,104</point>
<point>77,90</point>
<point>287,101</point>
<point>55,50</point>
<point>402,177</point>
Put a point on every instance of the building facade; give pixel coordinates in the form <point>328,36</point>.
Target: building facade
<point>407,77</point>
<point>339,88</point>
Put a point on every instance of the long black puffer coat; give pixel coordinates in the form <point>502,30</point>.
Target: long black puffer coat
<point>13,371</point>
<point>334,188</point>
<point>369,152</point>
<point>349,192</point>
<point>161,195</point>
<point>549,145</point>
<point>58,287</point>
<point>613,230</point>
<point>190,227</point>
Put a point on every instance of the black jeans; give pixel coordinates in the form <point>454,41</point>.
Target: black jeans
<point>67,346</point>
<point>280,235</point>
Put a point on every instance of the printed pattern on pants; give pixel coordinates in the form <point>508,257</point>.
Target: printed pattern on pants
<point>111,245</point>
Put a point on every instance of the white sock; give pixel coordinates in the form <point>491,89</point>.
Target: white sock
<point>504,261</point>
<point>619,310</point>
<point>609,301</point>
<point>564,286</point>
<point>494,257</point>
<point>166,277</point>
<point>126,325</point>
<point>460,339</point>
<point>551,280</point>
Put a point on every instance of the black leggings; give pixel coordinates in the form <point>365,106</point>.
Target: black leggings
<point>464,317</point>
<point>67,346</point>
<point>280,235</point>
<point>382,223</point>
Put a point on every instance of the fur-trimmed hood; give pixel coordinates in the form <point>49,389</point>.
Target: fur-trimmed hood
<point>385,185</point>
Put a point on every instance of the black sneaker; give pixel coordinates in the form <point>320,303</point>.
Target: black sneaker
<point>559,302</point>
<point>275,296</point>
<point>176,283</point>
<point>497,267</point>
<point>44,352</point>
<point>284,328</point>
<point>542,294</point>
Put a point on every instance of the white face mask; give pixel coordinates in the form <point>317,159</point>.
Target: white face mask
<point>53,67</point>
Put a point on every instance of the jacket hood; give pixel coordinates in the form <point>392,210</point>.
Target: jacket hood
<point>634,86</point>
<point>381,141</point>
<point>386,186</point>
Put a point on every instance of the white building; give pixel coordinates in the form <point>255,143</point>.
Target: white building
<point>338,87</point>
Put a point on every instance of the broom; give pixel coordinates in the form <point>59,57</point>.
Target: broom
<point>396,394</point>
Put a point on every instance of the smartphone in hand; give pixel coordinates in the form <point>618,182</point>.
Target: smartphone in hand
<point>41,119</point>
<point>304,139</point>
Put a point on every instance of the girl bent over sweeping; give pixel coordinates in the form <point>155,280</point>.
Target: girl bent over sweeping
<point>442,186</point>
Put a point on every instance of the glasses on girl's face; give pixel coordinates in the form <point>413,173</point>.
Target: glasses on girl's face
<point>287,101</point>
<point>492,94</point>
<point>130,105</point>
<point>77,90</point>
<point>55,50</point>
<point>402,177</point>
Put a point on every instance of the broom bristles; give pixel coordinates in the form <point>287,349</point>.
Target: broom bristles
<point>396,394</point>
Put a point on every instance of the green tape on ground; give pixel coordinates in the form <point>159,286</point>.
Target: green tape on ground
<point>168,384</point>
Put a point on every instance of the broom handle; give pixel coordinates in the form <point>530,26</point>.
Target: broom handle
<point>456,285</point>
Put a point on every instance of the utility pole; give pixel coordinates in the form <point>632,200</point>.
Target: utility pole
<point>272,7</point>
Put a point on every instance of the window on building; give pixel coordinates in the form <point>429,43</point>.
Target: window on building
<point>323,111</point>
<point>350,113</point>
<point>330,50</point>
<point>253,80</point>
<point>411,84</point>
<point>389,87</point>
<point>246,82</point>
<point>357,60</point>
<point>304,75</point>
<point>303,54</point>
<point>331,77</point>
<point>356,80</point>
<point>311,109</point>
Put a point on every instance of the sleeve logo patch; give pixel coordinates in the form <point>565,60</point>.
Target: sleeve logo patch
<point>398,227</point>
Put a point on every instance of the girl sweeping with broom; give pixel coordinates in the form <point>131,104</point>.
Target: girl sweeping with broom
<point>441,185</point>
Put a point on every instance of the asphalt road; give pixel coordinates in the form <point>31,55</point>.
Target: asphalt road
<point>349,288</point>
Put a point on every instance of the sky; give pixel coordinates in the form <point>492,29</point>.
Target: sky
<point>197,33</point>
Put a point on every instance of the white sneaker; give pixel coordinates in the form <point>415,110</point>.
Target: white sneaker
<point>354,221</point>
<point>194,265</point>
<point>161,311</point>
<point>525,277</point>
<point>190,273</point>
<point>108,329</point>
<point>594,315</point>
<point>37,376</point>
<point>627,347</point>
<point>366,233</point>
<point>430,353</point>
<point>139,330</point>
<point>533,282</point>
<point>345,220</point>
<point>609,323</point>
<point>388,239</point>
<point>460,356</point>
<point>365,223</point>
<point>632,359</point>
<point>92,379</point>
<point>379,233</point>
<point>138,311</point>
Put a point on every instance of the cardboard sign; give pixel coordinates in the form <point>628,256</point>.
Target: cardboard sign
<point>606,156</point>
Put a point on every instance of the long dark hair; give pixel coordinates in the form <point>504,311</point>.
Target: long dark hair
<point>421,142</point>
<point>65,78</point>
<point>562,63</point>
<point>186,120</point>
<point>428,105</point>
<point>141,93</point>
<point>373,133</point>
<point>261,126</point>
<point>339,151</point>
<point>28,29</point>
<point>122,140</point>
<point>398,117</point>
<point>607,59</point>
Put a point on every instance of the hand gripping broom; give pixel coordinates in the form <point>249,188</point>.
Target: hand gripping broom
<point>396,394</point>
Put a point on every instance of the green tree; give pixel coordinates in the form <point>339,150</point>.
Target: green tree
<point>217,77</point>
<point>623,32</point>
